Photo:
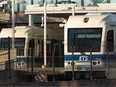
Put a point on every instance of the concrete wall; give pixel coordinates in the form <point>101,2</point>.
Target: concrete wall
<point>4,58</point>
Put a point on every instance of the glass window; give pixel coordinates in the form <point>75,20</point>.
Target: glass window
<point>4,43</point>
<point>84,39</point>
<point>31,43</point>
<point>19,44</point>
<point>110,40</point>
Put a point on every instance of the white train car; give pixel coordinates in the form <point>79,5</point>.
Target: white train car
<point>24,38</point>
<point>91,41</point>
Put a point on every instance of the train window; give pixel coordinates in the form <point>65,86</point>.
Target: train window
<point>4,43</point>
<point>19,42</point>
<point>84,39</point>
<point>31,43</point>
<point>49,49</point>
<point>110,40</point>
<point>40,43</point>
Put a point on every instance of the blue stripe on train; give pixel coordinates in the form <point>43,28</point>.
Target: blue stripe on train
<point>36,59</point>
<point>21,59</point>
<point>94,56</point>
<point>77,57</point>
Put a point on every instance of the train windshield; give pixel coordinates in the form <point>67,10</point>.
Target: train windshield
<point>84,39</point>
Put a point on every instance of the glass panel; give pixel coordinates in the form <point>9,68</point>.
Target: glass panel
<point>19,44</point>
<point>110,40</point>
<point>4,43</point>
<point>84,39</point>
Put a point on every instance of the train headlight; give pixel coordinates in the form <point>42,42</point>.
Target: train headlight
<point>94,63</point>
<point>98,62</point>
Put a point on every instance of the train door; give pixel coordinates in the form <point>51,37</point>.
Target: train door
<point>111,61</point>
<point>37,44</point>
<point>39,47</point>
<point>55,50</point>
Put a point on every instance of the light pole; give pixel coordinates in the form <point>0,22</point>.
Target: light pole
<point>53,55</point>
<point>13,23</point>
<point>73,49</point>
<point>9,63</point>
<point>45,36</point>
<point>91,70</point>
<point>107,60</point>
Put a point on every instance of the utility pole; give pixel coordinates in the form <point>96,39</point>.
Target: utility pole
<point>45,34</point>
<point>13,23</point>
<point>53,55</point>
<point>73,49</point>
<point>91,71</point>
<point>107,60</point>
<point>9,64</point>
<point>32,54</point>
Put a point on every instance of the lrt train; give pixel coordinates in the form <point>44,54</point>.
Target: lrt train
<point>90,45</point>
<point>26,36</point>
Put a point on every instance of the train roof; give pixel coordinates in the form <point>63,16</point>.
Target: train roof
<point>91,19</point>
<point>20,31</point>
<point>24,31</point>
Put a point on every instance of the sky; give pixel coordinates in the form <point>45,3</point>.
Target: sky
<point>77,1</point>
<point>48,1</point>
<point>112,1</point>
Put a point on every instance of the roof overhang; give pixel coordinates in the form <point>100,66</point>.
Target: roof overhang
<point>68,9</point>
